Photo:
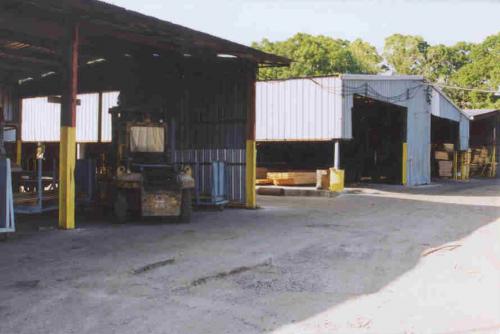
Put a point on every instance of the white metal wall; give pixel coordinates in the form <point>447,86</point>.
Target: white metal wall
<point>442,107</point>
<point>298,109</point>
<point>41,120</point>
<point>109,100</point>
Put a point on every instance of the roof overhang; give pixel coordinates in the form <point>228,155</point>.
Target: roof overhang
<point>32,32</point>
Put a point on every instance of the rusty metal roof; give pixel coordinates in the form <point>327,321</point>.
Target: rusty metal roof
<point>31,32</point>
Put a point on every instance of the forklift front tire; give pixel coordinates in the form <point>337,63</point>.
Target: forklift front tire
<point>120,208</point>
<point>186,206</point>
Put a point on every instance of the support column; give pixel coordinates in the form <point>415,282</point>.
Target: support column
<point>251,151</point>
<point>19,152</point>
<point>404,165</point>
<point>67,146</point>
<point>336,159</point>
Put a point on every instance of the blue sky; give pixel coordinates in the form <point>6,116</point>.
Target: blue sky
<point>244,21</point>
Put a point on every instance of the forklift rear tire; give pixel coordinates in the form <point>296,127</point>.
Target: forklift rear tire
<point>120,208</point>
<point>186,206</point>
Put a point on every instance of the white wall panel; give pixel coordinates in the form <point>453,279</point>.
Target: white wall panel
<point>298,109</point>
<point>41,119</point>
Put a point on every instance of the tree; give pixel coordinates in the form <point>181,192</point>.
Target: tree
<point>319,55</point>
<point>405,53</point>
<point>366,56</point>
<point>481,72</point>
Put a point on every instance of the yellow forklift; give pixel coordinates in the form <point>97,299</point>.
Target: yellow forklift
<point>144,182</point>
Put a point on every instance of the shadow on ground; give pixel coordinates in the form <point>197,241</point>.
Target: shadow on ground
<point>232,271</point>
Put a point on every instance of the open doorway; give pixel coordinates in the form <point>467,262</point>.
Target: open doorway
<point>444,141</point>
<point>375,152</point>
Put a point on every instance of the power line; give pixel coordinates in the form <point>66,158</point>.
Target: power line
<point>467,89</point>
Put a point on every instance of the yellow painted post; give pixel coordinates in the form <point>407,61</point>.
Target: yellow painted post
<point>251,177</point>
<point>404,165</point>
<point>251,149</point>
<point>336,180</point>
<point>493,161</point>
<point>67,146</point>
<point>455,165</point>
<point>19,151</point>
<point>67,161</point>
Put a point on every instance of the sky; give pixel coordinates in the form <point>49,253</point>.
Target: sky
<point>245,21</point>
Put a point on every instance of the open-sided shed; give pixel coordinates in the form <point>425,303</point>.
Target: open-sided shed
<point>393,112</point>
<point>63,48</point>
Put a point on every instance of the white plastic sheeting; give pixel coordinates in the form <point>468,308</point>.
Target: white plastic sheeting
<point>41,120</point>
<point>298,109</point>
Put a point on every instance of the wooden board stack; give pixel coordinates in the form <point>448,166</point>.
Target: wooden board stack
<point>444,155</point>
<point>292,178</point>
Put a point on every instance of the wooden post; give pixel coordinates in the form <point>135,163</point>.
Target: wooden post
<point>251,151</point>
<point>67,146</point>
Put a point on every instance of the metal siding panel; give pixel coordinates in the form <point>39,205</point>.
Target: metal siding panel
<point>418,119</point>
<point>464,132</point>
<point>441,107</point>
<point>40,120</point>
<point>235,167</point>
<point>109,100</point>
<point>87,118</point>
<point>298,109</point>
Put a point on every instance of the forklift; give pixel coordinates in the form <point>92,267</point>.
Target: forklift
<point>144,181</point>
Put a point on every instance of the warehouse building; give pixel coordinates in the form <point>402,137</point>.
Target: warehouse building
<point>60,59</point>
<point>374,127</point>
<point>484,141</point>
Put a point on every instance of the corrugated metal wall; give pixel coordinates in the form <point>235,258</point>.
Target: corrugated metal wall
<point>464,132</point>
<point>411,94</point>
<point>321,109</point>
<point>299,109</point>
<point>201,161</point>
<point>41,120</point>
<point>9,104</point>
<point>442,107</point>
<point>210,124</point>
<point>109,100</point>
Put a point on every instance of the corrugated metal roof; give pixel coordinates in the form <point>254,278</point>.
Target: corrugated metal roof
<point>478,112</point>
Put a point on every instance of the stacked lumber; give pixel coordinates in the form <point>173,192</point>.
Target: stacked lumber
<point>292,178</point>
<point>444,155</point>
<point>445,168</point>
<point>482,161</point>
<point>261,175</point>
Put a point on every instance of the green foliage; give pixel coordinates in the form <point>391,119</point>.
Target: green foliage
<point>366,56</point>
<point>405,53</point>
<point>464,64</point>
<point>482,71</point>
<point>319,55</point>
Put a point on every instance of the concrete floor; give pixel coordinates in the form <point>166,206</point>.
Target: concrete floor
<point>374,260</point>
